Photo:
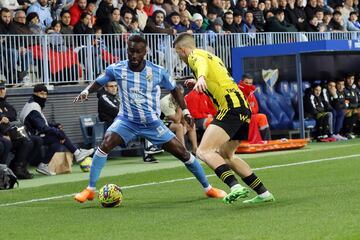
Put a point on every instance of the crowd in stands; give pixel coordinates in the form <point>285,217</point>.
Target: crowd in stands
<point>68,55</point>
<point>176,16</point>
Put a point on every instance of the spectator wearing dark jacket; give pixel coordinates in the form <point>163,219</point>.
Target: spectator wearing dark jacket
<point>108,104</point>
<point>156,24</point>
<point>237,21</point>
<point>53,135</point>
<point>351,106</point>
<point>300,15</point>
<point>241,7</point>
<point>278,23</point>
<point>65,19</point>
<point>229,25</point>
<point>259,19</point>
<point>115,26</point>
<point>310,8</point>
<point>292,17</point>
<point>9,55</point>
<point>336,23</point>
<point>24,56</point>
<point>335,102</point>
<point>84,26</point>
<point>130,6</point>
<point>126,21</point>
<point>313,25</point>
<point>314,107</point>
<point>103,13</point>
<point>5,21</point>
<point>5,146</point>
<point>24,148</point>
<point>215,6</point>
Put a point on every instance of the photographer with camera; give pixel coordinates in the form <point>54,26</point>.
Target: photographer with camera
<point>22,145</point>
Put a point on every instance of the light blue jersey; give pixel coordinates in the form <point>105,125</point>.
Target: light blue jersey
<point>139,92</point>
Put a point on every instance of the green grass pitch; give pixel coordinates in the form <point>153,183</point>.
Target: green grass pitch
<point>316,188</point>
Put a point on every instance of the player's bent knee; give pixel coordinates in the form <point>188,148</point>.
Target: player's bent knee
<point>184,156</point>
<point>110,141</point>
<point>202,154</point>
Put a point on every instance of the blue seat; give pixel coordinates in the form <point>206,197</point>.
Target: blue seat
<point>276,109</point>
<point>306,85</point>
<point>92,130</point>
<point>284,101</point>
<point>309,123</point>
<point>263,108</point>
<point>283,88</point>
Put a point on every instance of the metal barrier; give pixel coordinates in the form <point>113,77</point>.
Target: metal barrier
<point>66,59</point>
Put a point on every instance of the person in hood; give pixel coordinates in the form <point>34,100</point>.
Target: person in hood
<point>53,135</point>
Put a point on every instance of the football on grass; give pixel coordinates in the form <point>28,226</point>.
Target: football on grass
<point>110,195</point>
<point>86,164</point>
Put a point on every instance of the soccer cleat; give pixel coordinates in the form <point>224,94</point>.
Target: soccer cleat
<point>240,192</point>
<point>259,199</point>
<point>215,193</point>
<point>84,195</point>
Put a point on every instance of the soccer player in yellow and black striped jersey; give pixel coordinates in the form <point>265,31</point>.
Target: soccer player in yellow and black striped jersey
<point>230,126</point>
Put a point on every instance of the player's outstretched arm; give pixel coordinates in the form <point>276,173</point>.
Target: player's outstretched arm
<point>83,96</point>
<point>179,98</point>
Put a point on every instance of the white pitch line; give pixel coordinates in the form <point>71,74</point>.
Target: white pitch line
<point>186,179</point>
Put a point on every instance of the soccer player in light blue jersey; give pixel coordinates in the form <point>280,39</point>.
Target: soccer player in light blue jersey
<point>139,84</point>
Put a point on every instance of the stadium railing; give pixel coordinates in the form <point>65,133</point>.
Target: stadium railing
<point>66,59</point>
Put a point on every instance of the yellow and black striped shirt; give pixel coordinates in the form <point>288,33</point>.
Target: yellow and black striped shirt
<point>222,89</point>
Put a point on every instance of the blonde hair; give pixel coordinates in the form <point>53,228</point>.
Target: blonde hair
<point>185,40</point>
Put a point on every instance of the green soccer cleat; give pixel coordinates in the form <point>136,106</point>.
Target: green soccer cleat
<point>241,192</point>
<point>259,199</point>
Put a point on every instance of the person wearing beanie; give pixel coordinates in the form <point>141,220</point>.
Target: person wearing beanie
<point>218,24</point>
<point>33,118</point>
<point>197,23</point>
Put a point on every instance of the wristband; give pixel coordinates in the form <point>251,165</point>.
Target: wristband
<point>185,112</point>
<point>85,92</point>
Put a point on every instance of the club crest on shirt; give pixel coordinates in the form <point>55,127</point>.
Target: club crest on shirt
<point>149,77</point>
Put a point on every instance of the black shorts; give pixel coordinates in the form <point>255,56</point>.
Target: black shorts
<point>235,122</point>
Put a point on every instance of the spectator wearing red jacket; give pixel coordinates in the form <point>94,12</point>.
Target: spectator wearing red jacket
<point>76,10</point>
<point>247,87</point>
<point>201,108</point>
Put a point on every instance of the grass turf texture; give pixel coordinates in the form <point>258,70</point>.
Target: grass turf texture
<point>314,201</point>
